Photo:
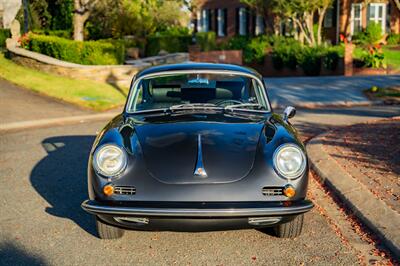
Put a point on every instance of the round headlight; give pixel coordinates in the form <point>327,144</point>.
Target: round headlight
<point>109,160</point>
<point>289,161</point>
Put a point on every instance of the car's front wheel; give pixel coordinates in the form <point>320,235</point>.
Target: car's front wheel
<point>290,229</point>
<point>106,231</point>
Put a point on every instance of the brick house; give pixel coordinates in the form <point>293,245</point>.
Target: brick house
<point>231,17</point>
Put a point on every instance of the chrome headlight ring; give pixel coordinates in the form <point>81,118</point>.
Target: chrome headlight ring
<point>110,160</point>
<point>289,161</point>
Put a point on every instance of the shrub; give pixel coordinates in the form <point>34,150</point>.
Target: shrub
<point>374,57</point>
<point>4,34</point>
<point>171,44</point>
<point>371,35</point>
<point>331,56</point>
<point>58,33</point>
<point>238,42</point>
<point>393,39</point>
<point>310,60</point>
<point>174,31</point>
<point>206,40</point>
<point>286,53</point>
<point>102,52</point>
<point>253,48</point>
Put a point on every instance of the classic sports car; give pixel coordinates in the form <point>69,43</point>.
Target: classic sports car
<point>197,148</point>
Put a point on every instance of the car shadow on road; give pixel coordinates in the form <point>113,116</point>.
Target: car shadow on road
<point>11,254</point>
<point>60,178</point>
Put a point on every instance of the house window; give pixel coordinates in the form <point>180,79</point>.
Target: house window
<point>221,22</point>
<point>198,22</point>
<point>328,19</point>
<point>242,21</point>
<point>260,27</point>
<point>377,14</point>
<point>205,20</point>
<point>356,18</point>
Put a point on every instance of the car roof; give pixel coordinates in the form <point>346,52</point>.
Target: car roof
<point>197,66</point>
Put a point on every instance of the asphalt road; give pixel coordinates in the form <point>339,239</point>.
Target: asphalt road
<point>43,182</point>
<point>325,89</point>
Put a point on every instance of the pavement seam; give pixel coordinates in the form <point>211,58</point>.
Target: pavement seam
<point>374,213</point>
<point>31,124</point>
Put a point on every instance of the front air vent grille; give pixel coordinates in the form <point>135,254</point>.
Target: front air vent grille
<point>124,190</point>
<point>272,191</point>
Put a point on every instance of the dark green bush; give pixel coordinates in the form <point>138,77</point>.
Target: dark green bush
<point>4,34</point>
<point>171,44</point>
<point>58,33</point>
<point>331,56</point>
<point>287,54</point>
<point>206,41</point>
<point>393,39</point>
<point>102,52</point>
<point>254,49</point>
<point>238,42</point>
<point>310,60</point>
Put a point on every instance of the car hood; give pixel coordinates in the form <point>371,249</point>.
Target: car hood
<point>174,151</point>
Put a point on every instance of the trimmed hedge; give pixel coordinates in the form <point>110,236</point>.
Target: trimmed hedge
<point>4,35</point>
<point>58,33</point>
<point>171,44</point>
<point>310,59</point>
<point>103,52</point>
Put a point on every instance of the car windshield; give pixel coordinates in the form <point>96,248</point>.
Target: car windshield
<point>198,91</point>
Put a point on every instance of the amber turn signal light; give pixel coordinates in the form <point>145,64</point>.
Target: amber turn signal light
<point>289,191</point>
<point>108,190</point>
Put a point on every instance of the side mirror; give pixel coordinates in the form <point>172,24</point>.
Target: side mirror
<point>289,112</point>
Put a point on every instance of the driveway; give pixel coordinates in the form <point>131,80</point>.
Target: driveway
<point>44,181</point>
<point>17,104</point>
<point>336,90</point>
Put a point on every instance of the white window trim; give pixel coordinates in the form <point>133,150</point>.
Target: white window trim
<point>205,27</point>
<point>384,14</point>
<point>260,28</point>
<point>352,16</point>
<point>221,22</point>
<point>199,21</point>
<point>242,21</point>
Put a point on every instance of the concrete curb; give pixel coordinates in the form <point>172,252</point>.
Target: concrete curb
<point>374,213</point>
<point>17,126</point>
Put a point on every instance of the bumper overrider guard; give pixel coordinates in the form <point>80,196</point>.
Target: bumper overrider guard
<point>259,210</point>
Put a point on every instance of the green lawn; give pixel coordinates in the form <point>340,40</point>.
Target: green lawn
<point>392,56</point>
<point>94,95</point>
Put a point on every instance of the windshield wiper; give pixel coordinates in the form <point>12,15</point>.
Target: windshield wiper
<point>242,107</point>
<point>194,106</point>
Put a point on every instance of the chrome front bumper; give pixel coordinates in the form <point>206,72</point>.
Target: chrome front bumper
<point>267,209</point>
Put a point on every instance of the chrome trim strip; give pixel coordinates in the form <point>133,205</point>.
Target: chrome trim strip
<point>133,92</point>
<point>93,208</point>
<point>199,170</point>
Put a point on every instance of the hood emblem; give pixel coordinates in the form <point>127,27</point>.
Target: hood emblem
<point>199,170</point>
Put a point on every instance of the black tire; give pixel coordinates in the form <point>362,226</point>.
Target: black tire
<point>290,229</point>
<point>106,231</point>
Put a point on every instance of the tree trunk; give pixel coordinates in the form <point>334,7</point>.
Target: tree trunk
<point>78,27</point>
<point>320,22</point>
<point>81,14</point>
<point>397,2</point>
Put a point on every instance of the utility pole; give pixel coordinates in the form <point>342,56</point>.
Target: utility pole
<point>26,14</point>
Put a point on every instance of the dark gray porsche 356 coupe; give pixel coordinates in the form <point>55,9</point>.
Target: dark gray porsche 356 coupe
<point>198,148</point>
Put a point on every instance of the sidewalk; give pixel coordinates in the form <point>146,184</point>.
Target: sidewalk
<point>17,104</point>
<point>310,92</point>
<point>22,109</point>
<point>363,174</point>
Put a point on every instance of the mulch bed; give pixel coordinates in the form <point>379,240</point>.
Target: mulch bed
<point>371,154</point>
